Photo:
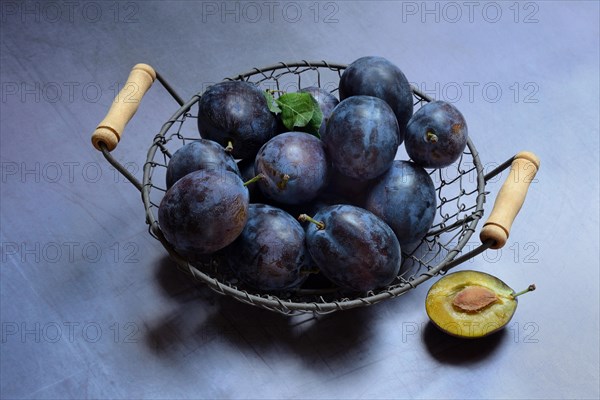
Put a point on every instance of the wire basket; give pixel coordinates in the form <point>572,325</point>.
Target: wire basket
<point>460,192</point>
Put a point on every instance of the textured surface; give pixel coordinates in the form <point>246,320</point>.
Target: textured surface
<point>92,307</point>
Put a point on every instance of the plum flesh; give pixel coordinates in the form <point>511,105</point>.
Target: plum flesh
<point>470,304</point>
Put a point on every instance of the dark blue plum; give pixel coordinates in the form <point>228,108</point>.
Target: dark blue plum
<point>204,211</point>
<point>405,198</point>
<point>236,113</point>
<point>294,166</point>
<point>270,254</point>
<point>436,135</point>
<point>348,190</point>
<point>378,77</point>
<point>199,154</point>
<point>361,137</point>
<point>354,248</point>
<point>327,102</point>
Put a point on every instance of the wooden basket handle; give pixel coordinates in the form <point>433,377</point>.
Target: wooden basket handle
<point>510,199</point>
<point>110,130</point>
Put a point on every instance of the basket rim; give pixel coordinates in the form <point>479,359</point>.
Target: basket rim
<point>272,302</point>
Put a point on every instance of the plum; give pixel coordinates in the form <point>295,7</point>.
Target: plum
<point>436,135</point>
<point>327,102</point>
<point>204,211</point>
<point>348,190</point>
<point>378,77</point>
<point>294,167</point>
<point>353,247</point>
<point>361,137</point>
<point>270,253</point>
<point>405,198</point>
<point>471,304</point>
<point>199,154</point>
<point>235,115</point>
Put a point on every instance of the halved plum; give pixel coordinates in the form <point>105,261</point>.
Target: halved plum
<point>471,304</point>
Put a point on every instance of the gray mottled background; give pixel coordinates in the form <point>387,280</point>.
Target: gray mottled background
<point>91,307</point>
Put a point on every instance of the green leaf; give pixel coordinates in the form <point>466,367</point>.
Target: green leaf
<point>271,103</point>
<point>300,110</point>
<point>315,122</point>
<point>296,109</point>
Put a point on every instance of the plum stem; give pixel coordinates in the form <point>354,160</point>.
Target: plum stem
<point>320,224</point>
<point>283,183</point>
<point>310,271</point>
<point>531,288</point>
<point>229,147</point>
<point>430,136</point>
<point>255,179</point>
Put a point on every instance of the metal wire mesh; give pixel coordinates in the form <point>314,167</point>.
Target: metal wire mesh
<point>460,191</point>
